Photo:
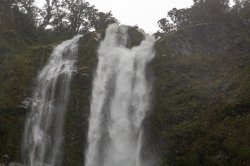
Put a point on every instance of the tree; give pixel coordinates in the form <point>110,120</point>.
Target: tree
<point>47,14</point>
<point>209,11</point>
<point>6,15</point>
<point>100,20</point>
<point>216,10</point>
<point>165,25</point>
<point>56,18</point>
<point>180,17</point>
<point>77,14</point>
<point>28,8</point>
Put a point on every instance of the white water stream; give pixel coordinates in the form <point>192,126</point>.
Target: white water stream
<point>43,137</point>
<point>120,101</point>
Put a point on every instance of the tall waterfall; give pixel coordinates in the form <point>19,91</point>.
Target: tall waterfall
<point>120,100</point>
<point>43,135</point>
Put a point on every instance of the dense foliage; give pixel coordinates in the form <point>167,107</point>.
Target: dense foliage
<point>201,103</point>
<point>27,36</point>
<point>202,92</point>
<point>55,21</point>
<point>204,12</point>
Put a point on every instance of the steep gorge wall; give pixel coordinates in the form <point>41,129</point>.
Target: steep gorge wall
<point>200,110</point>
<point>19,65</point>
<point>79,108</point>
<point>202,98</point>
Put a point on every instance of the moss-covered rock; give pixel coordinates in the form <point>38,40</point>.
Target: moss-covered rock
<point>200,111</point>
<point>201,102</point>
<point>18,67</point>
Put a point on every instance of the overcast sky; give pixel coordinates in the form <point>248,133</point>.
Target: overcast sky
<point>144,13</point>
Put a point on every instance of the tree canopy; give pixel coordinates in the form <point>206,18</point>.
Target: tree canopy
<point>55,18</point>
<point>215,12</point>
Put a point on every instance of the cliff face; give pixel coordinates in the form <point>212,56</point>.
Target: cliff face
<point>76,127</point>
<point>202,93</point>
<point>200,106</point>
<point>19,64</point>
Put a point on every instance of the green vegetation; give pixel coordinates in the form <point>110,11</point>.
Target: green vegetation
<point>27,37</point>
<point>202,92</point>
<point>19,64</point>
<point>202,109</point>
<point>201,102</point>
<point>55,21</point>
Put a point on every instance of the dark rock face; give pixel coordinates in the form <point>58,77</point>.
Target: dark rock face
<point>76,127</point>
<point>134,37</point>
<point>200,104</point>
<point>18,68</point>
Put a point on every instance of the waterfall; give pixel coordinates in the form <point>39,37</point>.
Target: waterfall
<point>120,101</point>
<point>43,136</point>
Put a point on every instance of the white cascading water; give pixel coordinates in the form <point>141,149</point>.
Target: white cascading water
<point>120,100</point>
<point>43,134</point>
